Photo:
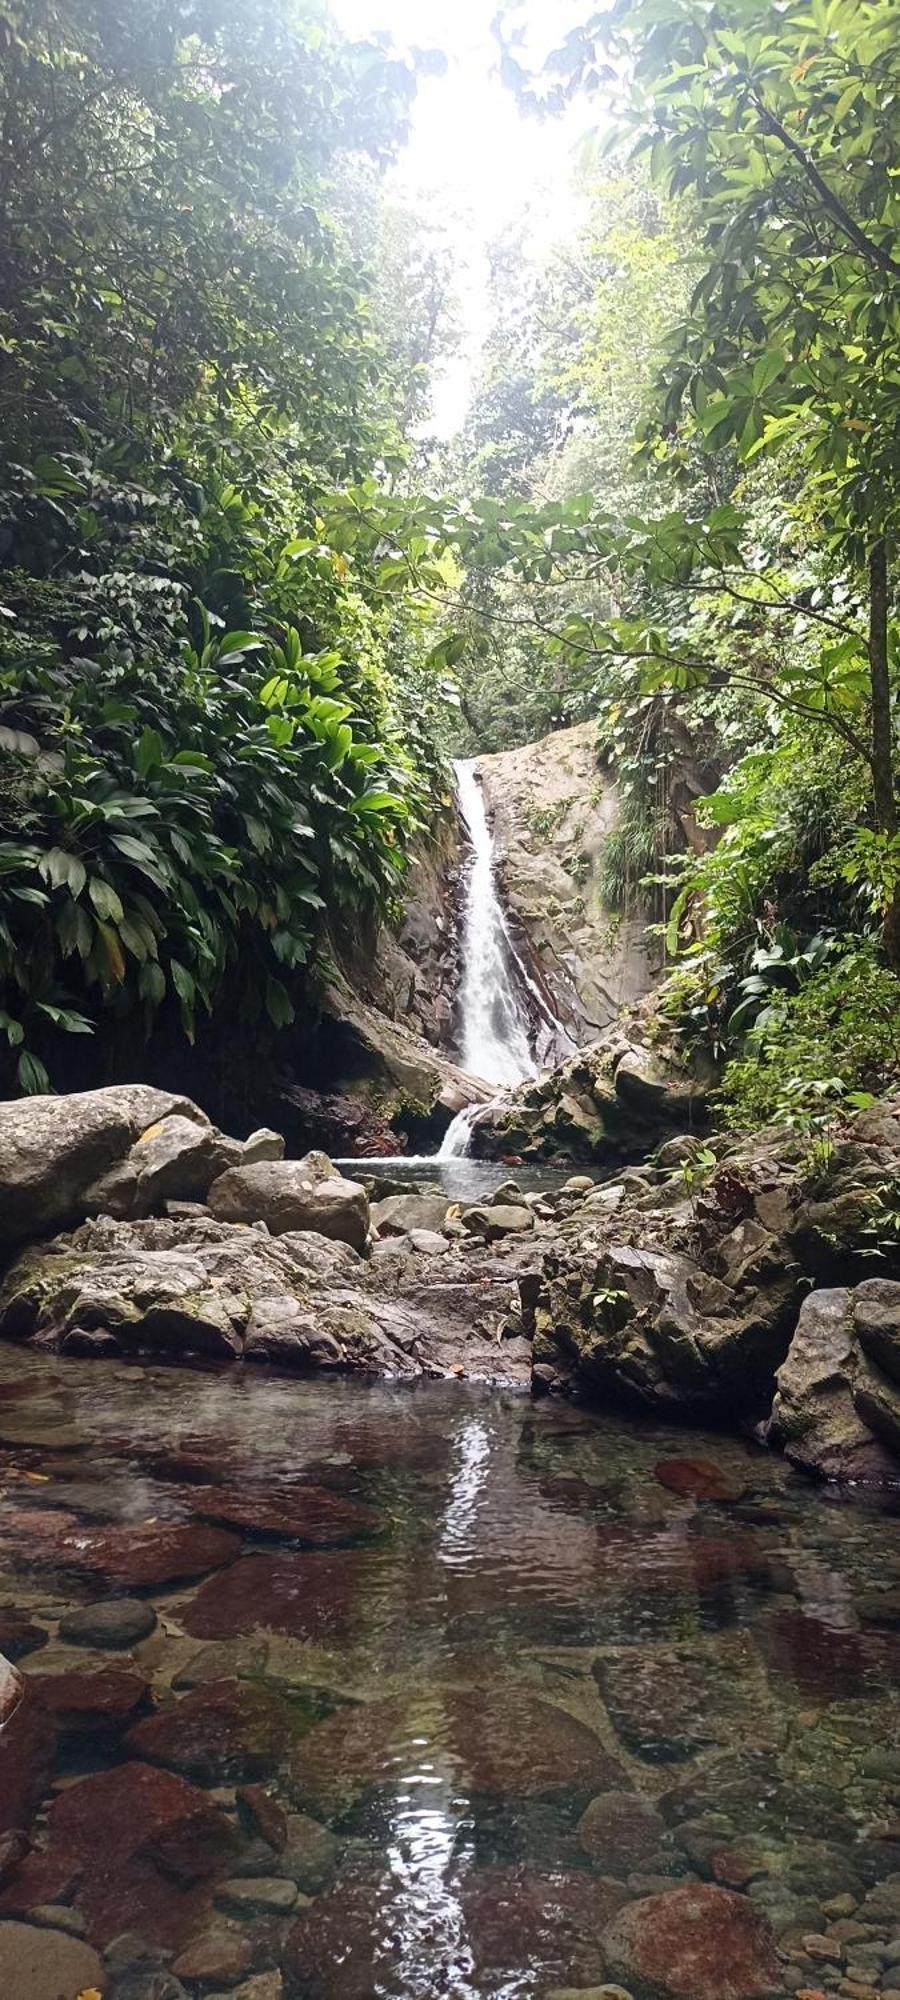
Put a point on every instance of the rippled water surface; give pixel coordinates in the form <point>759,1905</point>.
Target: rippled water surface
<point>503,1669</point>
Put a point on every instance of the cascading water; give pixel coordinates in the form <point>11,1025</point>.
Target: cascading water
<point>495,1042</point>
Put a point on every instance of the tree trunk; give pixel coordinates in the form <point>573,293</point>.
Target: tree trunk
<point>882,735</point>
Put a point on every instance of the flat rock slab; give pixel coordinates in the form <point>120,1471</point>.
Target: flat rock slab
<point>505,1744</point>
<point>310,1514</point>
<point>84,1702</point>
<point>138,1558</point>
<point>694,1943</point>
<point>227,1730</point>
<point>46,1965</point>
<point>301,1593</point>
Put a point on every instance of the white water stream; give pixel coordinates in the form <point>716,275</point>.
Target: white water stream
<point>495,1042</point>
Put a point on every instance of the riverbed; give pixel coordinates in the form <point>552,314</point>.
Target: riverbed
<point>448,1681</point>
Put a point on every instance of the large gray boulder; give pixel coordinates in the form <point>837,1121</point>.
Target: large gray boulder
<point>294,1194</point>
<point>397,1214</point>
<point>835,1412</point>
<point>175,1159</point>
<point>53,1149</point>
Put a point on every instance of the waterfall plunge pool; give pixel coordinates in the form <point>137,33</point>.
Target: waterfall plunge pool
<point>503,1670</point>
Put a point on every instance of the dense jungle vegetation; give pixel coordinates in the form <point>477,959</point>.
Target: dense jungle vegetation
<point>241,632</point>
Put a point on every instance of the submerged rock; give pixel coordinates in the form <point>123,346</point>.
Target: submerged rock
<point>694,1943</point>
<point>224,1730</point>
<point>116,1622</point>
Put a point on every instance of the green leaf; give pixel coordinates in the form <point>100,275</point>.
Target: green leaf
<point>105,899</point>
<point>278,1003</point>
<point>32,1076</point>
<point>149,752</point>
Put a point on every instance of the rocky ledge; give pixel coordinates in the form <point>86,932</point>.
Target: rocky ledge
<point>752,1285</point>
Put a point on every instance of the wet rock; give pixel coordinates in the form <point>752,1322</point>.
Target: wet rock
<point>261,1816</point>
<point>53,1148</point>
<point>295,1593</point>
<point>116,1623</point>
<point>19,1636</point>
<point>876,1313</point>
<point>139,1558</point>
<point>828,1662</point>
<point>294,1195</point>
<point>311,1514</point>
<point>13,1849</point>
<point>103,1703</point>
<point>507,1745</point>
<point>310,1854</point>
<point>217,1958</point>
<point>27,1747</point>
<point>162,1839</point>
<point>226,1730</point>
<point>696,1479</point>
<point>694,1943</point>
<point>40,1964</point>
<point>245,1894</point>
<point>676,1700</point>
<point>41,1878</point>
<point>620,1831</point>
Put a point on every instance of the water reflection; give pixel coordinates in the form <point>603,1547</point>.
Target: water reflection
<point>504,1669</point>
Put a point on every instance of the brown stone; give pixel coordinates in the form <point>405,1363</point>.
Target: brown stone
<point>620,1831</point>
<point>262,1816</point>
<point>218,1958</point>
<point>310,1514</point>
<point>305,1595</point>
<point>80,1701</point>
<point>41,1878</point>
<point>149,1842</point>
<point>696,1479</point>
<point>141,1558</point>
<point>226,1729</point>
<point>27,1747</point>
<point>694,1943</point>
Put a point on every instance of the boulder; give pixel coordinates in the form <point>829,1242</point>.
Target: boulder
<point>116,1623</point>
<point>162,1839</point>
<point>694,1943</point>
<point>293,1194</point>
<point>53,1149</point>
<point>398,1214</point>
<point>876,1317</point>
<point>262,1145</point>
<point>655,1088</point>
<point>833,1410</point>
<point>176,1159</point>
<point>496,1220</point>
<point>224,1730</point>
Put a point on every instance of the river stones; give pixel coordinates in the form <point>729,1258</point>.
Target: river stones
<point>228,1729</point>
<point>27,1747</point>
<point>45,1964</point>
<point>693,1943</point>
<point>499,1743</point>
<point>116,1623</point>
<point>696,1479</point>
<point>19,1636</point>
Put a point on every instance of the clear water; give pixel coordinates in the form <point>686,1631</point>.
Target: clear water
<point>457,1176</point>
<point>469,1616</point>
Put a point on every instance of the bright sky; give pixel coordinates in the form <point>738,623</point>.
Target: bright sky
<point>477,159</point>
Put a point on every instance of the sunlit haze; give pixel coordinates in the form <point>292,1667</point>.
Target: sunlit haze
<point>473,156</point>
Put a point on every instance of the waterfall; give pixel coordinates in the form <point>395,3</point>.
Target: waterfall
<point>495,1042</point>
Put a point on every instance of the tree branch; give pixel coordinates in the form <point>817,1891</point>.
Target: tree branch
<point>851,228</point>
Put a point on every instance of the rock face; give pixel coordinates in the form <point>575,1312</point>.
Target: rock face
<point>294,1195</point>
<point>837,1410</point>
<point>552,809</point>
<point>694,1301</point>
<point>610,1104</point>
